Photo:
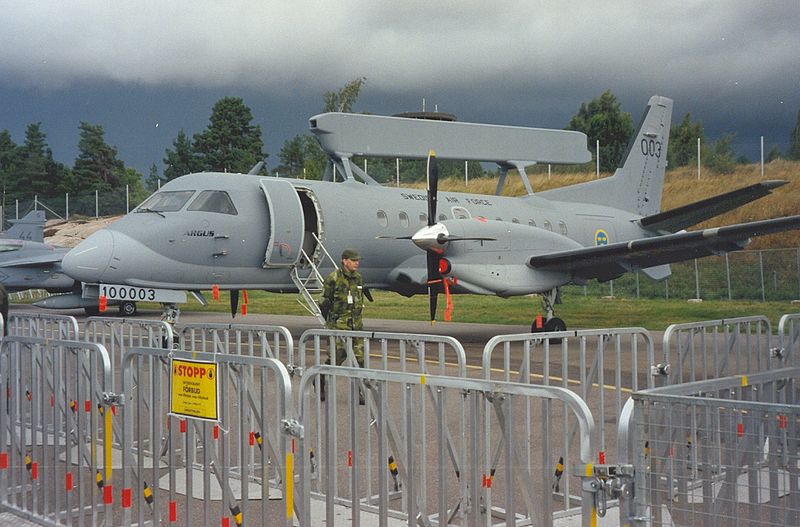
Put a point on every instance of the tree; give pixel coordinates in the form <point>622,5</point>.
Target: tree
<point>603,120</point>
<point>720,155</point>
<point>682,149</point>
<point>773,154</point>
<point>36,172</point>
<point>153,181</point>
<point>229,143</point>
<point>97,166</point>
<point>182,160</point>
<point>344,99</point>
<point>794,141</point>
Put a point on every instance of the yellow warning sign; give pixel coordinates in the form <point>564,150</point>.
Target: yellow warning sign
<point>193,389</point>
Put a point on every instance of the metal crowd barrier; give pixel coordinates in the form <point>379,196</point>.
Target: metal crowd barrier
<point>716,452</point>
<point>341,469</point>
<point>43,325</point>
<point>55,431</point>
<point>417,353</point>
<point>244,473</point>
<point>789,340</point>
<point>714,348</point>
<point>602,366</point>
<point>275,342</point>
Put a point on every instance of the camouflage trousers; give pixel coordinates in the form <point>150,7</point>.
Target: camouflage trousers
<point>340,345</point>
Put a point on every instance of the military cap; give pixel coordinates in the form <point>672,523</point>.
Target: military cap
<point>350,254</point>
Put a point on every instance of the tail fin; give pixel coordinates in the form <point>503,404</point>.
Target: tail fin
<point>635,186</point>
<point>30,227</point>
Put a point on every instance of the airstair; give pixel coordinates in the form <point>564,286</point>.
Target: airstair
<point>308,279</point>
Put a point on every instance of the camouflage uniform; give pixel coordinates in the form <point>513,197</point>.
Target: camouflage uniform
<point>342,303</point>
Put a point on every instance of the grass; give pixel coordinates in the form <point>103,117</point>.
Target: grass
<point>578,311</point>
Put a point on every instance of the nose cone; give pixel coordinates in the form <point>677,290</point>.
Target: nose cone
<point>89,260</point>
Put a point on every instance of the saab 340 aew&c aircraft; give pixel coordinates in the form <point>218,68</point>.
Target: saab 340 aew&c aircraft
<point>241,231</point>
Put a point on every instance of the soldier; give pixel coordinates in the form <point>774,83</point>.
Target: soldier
<point>342,303</point>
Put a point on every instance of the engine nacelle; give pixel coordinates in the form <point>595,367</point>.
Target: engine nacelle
<point>500,266</point>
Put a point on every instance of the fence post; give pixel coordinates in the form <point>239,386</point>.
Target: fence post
<point>66,200</point>
<point>728,275</point>
<point>17,216</point>
<point>96,205</point>
<point>761,271</point>
<point>636,274</point>
<point>128,198</point>
<point>35,202</point>
<point>696,279</point>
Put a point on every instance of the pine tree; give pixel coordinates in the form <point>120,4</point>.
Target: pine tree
<point>97,166</point>
<point>230,143</point>
<point>182,160</point>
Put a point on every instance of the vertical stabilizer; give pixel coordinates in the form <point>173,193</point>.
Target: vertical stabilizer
<point>636,186</point>
<point>30,227</point>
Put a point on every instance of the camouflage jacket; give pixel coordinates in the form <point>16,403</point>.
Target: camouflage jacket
<point>343,298</point>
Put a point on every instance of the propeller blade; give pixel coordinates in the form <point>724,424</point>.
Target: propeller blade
<point>433,186</point>
<point>433,275</point>
<point>385,237</point>
<point>234,302</point>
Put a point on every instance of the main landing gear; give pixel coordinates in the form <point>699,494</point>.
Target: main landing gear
<point>551,323</point>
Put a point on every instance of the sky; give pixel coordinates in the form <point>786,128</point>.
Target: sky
<point>144,69</point>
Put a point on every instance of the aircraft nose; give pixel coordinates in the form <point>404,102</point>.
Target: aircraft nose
<point>89,260</point>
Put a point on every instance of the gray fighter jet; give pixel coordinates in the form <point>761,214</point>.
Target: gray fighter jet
<point>26,262</point>
<point>240,231</point>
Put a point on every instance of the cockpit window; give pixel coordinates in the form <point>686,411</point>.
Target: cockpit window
<point>166,201</point>
<point>214,201</point>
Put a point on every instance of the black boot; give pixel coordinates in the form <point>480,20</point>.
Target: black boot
<point>321,382</point>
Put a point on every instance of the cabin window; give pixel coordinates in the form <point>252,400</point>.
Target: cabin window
<point>514,220</point>
<point>563,227</point>
<point>166,201</point>
<point>499,218</point>
<point>213,201</point>
<point>548,225</point>
<point>531,223</point>
<point>403,220</point>
<point>442,217</point>
<point>423,218</point>
<point>383,219</point>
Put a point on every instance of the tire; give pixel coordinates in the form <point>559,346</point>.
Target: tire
<point>127,308</point>
<point>555,324</point>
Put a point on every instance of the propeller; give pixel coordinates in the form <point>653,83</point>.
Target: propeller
<point>433,256</point>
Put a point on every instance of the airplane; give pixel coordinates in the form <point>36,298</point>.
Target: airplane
<point>26,262</point>
<point>241,231</point>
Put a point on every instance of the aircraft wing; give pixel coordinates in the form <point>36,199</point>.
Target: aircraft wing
<point>609,261</point>
<point>682,217</point>
<point>39,260</point>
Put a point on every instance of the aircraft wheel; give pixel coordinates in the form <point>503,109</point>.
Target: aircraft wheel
<point>555,324</point>
<point>127,309</point>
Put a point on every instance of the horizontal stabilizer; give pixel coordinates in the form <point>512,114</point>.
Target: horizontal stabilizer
<point>682,217</point>
<point>605,262</point>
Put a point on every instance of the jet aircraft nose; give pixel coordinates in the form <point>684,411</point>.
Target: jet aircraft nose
<point>89,260</point>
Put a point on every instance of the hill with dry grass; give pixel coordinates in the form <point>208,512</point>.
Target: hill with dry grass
<point>681,187</point>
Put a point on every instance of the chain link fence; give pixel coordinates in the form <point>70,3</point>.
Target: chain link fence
<point>94,204</point>
<point>766,275</point>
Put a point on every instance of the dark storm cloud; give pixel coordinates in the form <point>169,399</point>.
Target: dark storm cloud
<point>732,63</point>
